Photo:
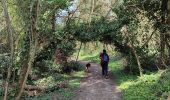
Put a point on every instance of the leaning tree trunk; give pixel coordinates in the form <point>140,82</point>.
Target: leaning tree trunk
<point>91,12</point>
<point>131,46</point>
<point>137,58</point>
<point>163,31</point>
<point>10,32</point>
<point>33,43</point>
<point>168,33</point>
<point>31,60</point>
<point>79,52</point>
<point>23,71</point>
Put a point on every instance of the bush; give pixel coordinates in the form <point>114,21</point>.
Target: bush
<point>72,66</point>
<point>148,87</point>
<point>164,85</point>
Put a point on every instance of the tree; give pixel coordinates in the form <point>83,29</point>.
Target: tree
<point>11,43</point>
<point>33,42</point>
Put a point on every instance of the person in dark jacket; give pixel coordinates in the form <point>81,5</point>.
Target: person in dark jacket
<point>104,63</point>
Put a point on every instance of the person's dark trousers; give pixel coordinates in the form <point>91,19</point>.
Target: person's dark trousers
<point>102,64</point>
<point>105,68</point>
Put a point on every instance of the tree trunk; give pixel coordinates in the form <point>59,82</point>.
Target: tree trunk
<point>31,60</point>
<point>10,32</point>
<point>137,59</point>
<point>34,11</point>
<point>131,46</point>
<point>163,30</point>
<point>168,22</point>
<point>53,21</point>
<point>91,12</point>
<point>14,75</point>
<point>23,70</point>
<point>104,46</point>
<point>79,51</point>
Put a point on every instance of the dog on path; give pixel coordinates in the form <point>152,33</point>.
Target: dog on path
<point>87,67</point>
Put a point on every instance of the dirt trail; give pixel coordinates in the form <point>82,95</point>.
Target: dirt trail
<point>95,87</point>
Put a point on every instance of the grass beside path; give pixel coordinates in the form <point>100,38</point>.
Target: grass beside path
<point>151,86</point>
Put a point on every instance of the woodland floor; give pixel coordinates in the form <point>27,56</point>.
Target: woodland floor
<point>96,87</point>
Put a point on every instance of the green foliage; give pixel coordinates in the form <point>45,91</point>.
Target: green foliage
<point>46,82</point>
<point>75,66</point>
<point>1,92</point>
<point>146,87</point>
<point>4,61</point>
<point>99,30</point>
<point>67,47</point>
<point>12,92</point>
<point>71,66</point>
<point>60,93</point>
<point>151,86</point>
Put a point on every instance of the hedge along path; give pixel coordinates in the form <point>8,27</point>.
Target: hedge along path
<point>95,87</point>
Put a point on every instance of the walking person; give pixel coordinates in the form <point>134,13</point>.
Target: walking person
<point>104,63</point>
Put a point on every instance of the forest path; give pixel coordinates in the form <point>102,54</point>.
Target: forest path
<point>95,87</point>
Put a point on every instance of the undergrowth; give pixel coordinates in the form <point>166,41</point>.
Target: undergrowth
<point>150,86</point>
<point>70,82</point>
